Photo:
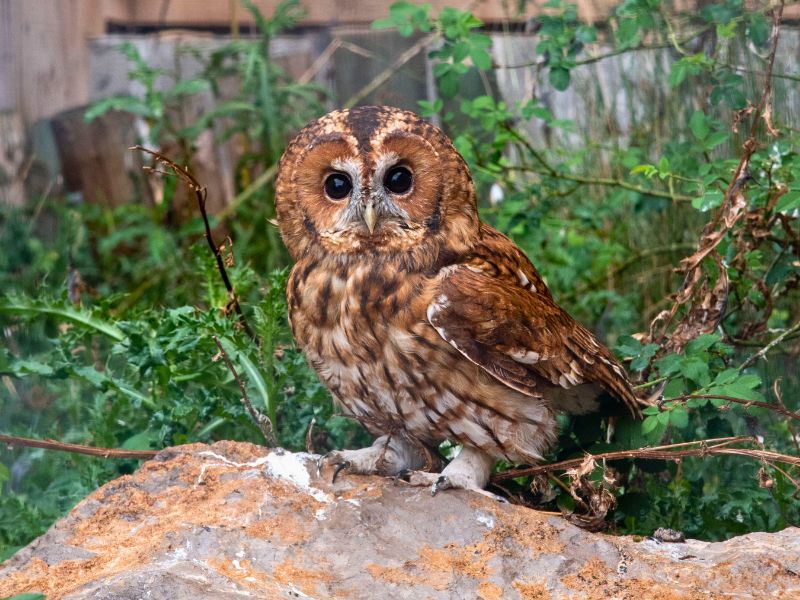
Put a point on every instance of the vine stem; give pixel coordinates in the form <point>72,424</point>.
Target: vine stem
<point>696,448</point>
<point>584,180</point>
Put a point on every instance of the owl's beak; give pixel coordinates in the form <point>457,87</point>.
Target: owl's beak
<point>370,217</point>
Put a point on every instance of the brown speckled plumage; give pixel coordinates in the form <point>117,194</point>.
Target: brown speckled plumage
<point>434,326</point>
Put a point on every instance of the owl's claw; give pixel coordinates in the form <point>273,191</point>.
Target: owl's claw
<point>468,471</point>
<point>336,460</point>
<point>440,484</point>
<point>339,468</point>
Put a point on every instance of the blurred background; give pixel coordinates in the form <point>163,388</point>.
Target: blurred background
<point>602,136</point>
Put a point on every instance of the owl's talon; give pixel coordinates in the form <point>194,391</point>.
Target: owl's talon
<point>440,484</point>
<point>340,466</point>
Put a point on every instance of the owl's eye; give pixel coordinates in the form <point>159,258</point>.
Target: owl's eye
<point>398,180</point>
<point>338,186</point>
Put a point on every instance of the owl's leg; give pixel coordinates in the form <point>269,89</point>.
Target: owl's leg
<point>470,470</point>
<point>388,455</point>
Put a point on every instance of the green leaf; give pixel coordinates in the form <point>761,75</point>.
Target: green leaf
<point>699,125</point>
<point>678,73</point>
<point>715,139</point>
<point>628,346</point>
<point>481,59</point>
<point>675,387</point>
<point>787,202</point>
<point>26,307</point>
<point>701,343</point>
<point>678,417</point>
<point>187,87</point>
<point>386,23</point>
<point>140,441</point>
<point>708,201</point>
<point>758,29</point>
<point>696,369</point>
<point>253,374</point>
<point>650,424</point>
<point>646,170</point>
<point>128,104</point>
<point>641,361</point>
<point>559,78</point>
<point>31,367</point>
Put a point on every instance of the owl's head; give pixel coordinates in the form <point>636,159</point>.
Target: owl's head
<point>373,179</point>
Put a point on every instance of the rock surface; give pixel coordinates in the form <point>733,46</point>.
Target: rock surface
<point>235,520</point>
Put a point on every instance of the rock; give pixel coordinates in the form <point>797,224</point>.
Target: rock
<point>234,520</point>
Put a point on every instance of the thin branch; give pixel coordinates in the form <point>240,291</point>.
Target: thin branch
<point>604,181</point>
<point>743,401</point>
<point>763,352</point>
<point>384,75</point>
<point>200,192</point>
<point>310,436</point>
<point>13,440</point>
<point>261,420</point>
<point>697,448</point>
<point>673,42</point>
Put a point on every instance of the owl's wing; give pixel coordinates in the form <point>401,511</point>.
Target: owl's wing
<point>521,337</point>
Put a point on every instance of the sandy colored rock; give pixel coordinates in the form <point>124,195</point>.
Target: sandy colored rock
<point>235,520</point>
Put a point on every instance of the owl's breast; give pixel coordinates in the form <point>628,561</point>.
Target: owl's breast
<point>364,330</point>
<point>355,323</point>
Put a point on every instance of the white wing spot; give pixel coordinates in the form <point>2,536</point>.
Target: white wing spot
<point>523,278</point>
<point>528,357</point>
<point>431,312</point>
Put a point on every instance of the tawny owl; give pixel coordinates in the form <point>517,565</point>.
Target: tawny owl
<point>426,324</point>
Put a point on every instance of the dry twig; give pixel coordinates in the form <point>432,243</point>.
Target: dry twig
<point>706,303</point>
<point>780,409</point>
<point>697,448</point>
<point>200,192</point>
<point>13,440</point>
<point>260,419</point>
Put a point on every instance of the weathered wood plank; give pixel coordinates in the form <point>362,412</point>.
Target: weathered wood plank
<point>93,155</point>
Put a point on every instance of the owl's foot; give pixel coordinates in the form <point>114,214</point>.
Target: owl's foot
<point>470,470</point>
<point>387,456</point>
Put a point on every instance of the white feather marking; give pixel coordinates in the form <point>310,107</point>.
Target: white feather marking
<point>445,271</point>
<point>528,357</point>
<point>523,279</point>
<point>431,312</point>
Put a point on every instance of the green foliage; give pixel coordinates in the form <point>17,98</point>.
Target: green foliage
<point>459,40</point>
<point>110,318</point>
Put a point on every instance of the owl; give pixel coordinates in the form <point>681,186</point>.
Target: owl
<point>425,323</point>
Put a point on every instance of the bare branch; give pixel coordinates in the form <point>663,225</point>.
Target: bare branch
<point>13,440</point>
<point>698,448</point>
<point>261,420</point>
<point>763,352</point>
<point>732,399</point>
<point>200,192</point>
